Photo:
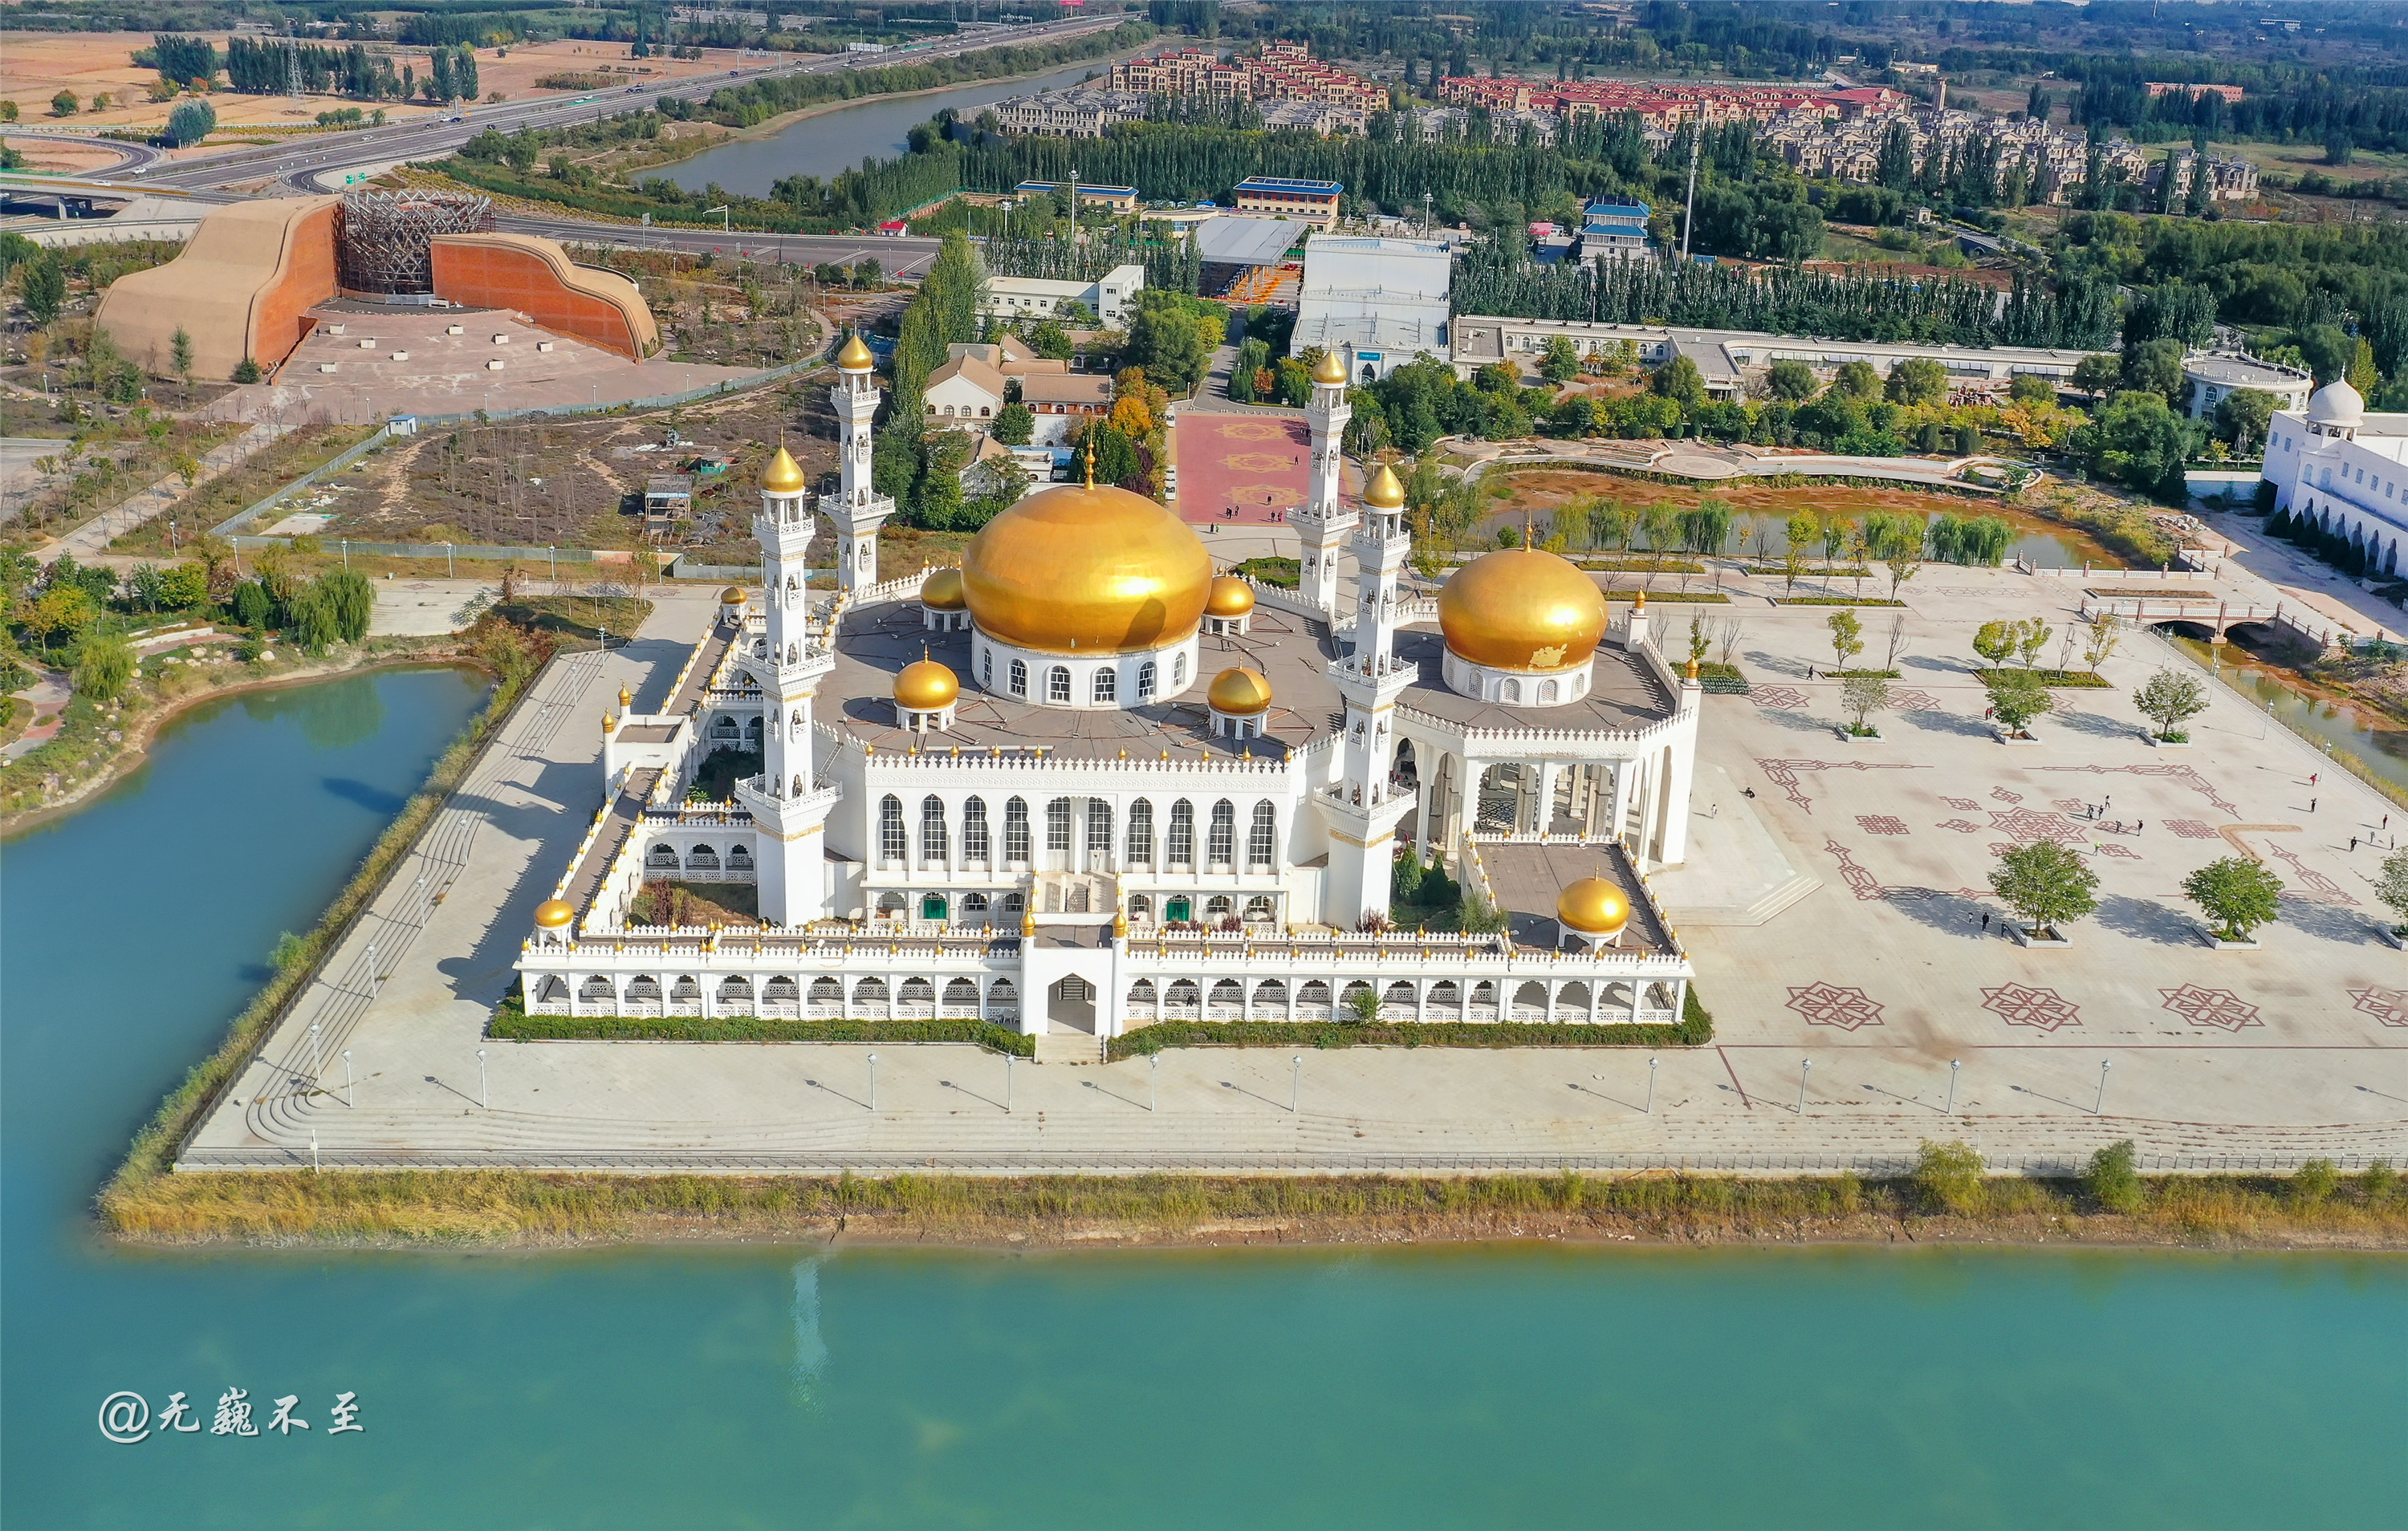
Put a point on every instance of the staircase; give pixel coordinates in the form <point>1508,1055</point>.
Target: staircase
<point>1068,1047</point>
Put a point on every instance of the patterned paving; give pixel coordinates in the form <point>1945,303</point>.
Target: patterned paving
<point>2004,796</point>
<point>2218,1008</point>
<point>2121,853</point>
<point>1962,804</point>
<point>1962,826</point>
<point>2309,883</point>
<point>1248,464</point>
<point>2025,825</point>
<point>1881,823</point>
<point>2018,1006</point>
<point>1785,773</point>
<point>1915,701</point>
<point>2182,774</point>
<point>1829,1005</point>
<point>1777,696</point>
<point>2191,829</point>
<point>2389,1006</point>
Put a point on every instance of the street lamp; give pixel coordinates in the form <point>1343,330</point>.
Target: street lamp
<point>316,1069</point>
<point>1008,1059</point>
<point>1295,1084</point>
<point>874,1083</point>
<point>2103,1066</point>
<point>1952,1066</point>
<point>1153,1081</point>
<point>1805,1066</point>
<point>347,1076</point>
<point>484,1096</point>
<point>1651,1087</point>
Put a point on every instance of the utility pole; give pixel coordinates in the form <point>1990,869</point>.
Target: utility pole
<point>1689,217</point>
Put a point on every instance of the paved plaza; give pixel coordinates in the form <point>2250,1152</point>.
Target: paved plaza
<point>1833,902</point>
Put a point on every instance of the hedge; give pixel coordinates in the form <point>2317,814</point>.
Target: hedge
<point>2075,678</point>
<point>512,1023</point>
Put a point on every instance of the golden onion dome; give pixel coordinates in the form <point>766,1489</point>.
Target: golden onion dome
<point>732,595</point>
<point>1385,492</point>
<point>1522,609</point>
<point>926,686</point>
<point>855,356</point>
<point>1229,597</point>
<point>784,476</point>
<point>626,698</point>
<point>1594,907</point>
<point>1329,369</point>
<point>1086,569</point>
<point>1240,691</point>
<point>554,913</point>
<point>943,591</point>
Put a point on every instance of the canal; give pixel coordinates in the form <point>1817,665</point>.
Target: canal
<point>757,1386</point>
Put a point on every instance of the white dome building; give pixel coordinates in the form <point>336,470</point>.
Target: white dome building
<point>2344,470</point>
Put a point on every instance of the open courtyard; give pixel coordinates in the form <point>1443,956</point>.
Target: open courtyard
<point>1833,898</point>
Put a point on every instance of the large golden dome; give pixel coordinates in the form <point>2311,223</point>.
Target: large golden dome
<point>1522,609</point>
<point>1385,492</point>
<point>926,686</point>
<point>1086,569</point>
<point>942,589</point>
<point>1594,907</point>
<point>855,356</point>
<point>1230,596</point>
<point>1240,691</point>
<point>1329,369</point>
<point>553,913</point>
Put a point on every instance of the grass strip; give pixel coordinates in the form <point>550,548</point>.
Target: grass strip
<point>2075,679</point>
<point>512,1023</point>
<point>493,1206</point>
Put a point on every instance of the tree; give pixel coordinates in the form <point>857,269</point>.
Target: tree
<point>2045,885</point>
<point>180,352</point>
<point>1801,529</point>
<point>1791,381</point>
<point>1680,380</point>
<point>1994,641</point>
<point>43,287</point>
<point>2169,700</point>
<point>2097,374</point>
<point>1858,381</point>
<point>1561,363</point>
<point>2031,636</point>
<point>2242,417</point>
<point>2106,631</point>
<point>2029,389</point>
<point>2018,697</point>
<point>2392,888</point>
<point>1847,636</point>
<point>2137,440</point>
<point>1918,379</point>
<point>350,601</point>
<point>1165,340</point>
<point>247,371</point>
<point>64,104</point>
<point>1949,1177</point>
<point>2156,367</point>
<point>104,667</point>
<point>1862,695</point>
<point>191,122</point>
<point>1014,424</point>
<point>2238,894</point>
<point>2112,1181</point>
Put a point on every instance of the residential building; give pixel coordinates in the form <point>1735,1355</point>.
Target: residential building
<point>1315,201</point>
<point>1614,229</point>
<point>1118,198</point>
<point>2215,375</point>
<point>1112,297</point>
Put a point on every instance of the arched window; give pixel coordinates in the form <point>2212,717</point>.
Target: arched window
<point>1015,903</point>
<point>1057,824</point>
<point>932,830</point>
<point>1510,691</point>
<point>893,845</point>
<point>1015,830</point>
<point>1100,831</point>
<point>974,906</point>
<point>1140,834</point>
<point>1145,682</point>
<point>870,990</point>
<point>1178,674</point>
<point>826,991</point>
<point>735,991</point>
<point>1106,682</point>
<point>986,668</point>
<point>974,843</point>
<point>1547,691</point>
<point>1220,848</point>
<point>1019,678</point>
<point>780,989</point>
<point>1057,684</point>
<point>1141,908</point>
<point>1182,850</point>
<point>1260,907</point>
<point>1260,837</point>
<point>889,906</point>
<point>1218,908</point>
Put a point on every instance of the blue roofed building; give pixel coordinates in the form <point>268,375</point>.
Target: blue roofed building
<point>1614,229</point>
<point>1314,201</point>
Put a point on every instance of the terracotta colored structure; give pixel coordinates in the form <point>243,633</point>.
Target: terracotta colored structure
<point>535,277</point>
<point>243,287</point>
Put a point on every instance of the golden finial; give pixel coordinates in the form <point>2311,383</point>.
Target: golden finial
<point>1639,601</point>
<point>626,698</point>
<point>1693,669</point>
<point>609,723</point>
<point>1027,921</point>
<point>1090,450</point>
<point>1120,924</point>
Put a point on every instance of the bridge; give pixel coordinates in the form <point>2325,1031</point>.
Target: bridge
<point>2290,619</point>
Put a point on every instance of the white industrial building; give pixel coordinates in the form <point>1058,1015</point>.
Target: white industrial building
<point>1376,302</point>
<point>1112,297</point>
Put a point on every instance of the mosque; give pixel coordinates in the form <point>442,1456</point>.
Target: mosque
<point>2344,469</point>
<point>1082,783</point>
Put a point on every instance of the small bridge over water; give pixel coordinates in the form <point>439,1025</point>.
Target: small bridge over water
<point>2289,621</point>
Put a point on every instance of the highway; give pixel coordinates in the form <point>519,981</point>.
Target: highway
<point>323,162</point>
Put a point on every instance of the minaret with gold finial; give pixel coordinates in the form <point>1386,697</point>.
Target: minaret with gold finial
<point>787,807</point>
<point>1361,807</point>
<point>1323,521</point>
<point>859,510</point>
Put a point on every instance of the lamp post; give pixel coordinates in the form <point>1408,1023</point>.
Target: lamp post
<point>316,1068</point>
<point>1153,1081</point>
<point>371,969</point>
<point>2100,1108</point>
<point>347,1076</point>
<point>873,1084</point>
<point>1952,1066</point>
<point>1805,1066</point>
<point>1651,1087</point>
<point>314,1165</point>
<point>1008,1059</point>
<point>1295,1084</point>
<point>484,1096</point>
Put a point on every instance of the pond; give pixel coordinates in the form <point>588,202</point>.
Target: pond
<point>2377,743</point>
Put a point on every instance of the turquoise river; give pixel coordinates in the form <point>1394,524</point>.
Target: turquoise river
<point>784,1387</point>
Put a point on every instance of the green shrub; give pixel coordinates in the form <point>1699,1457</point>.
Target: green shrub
<point>511,1023</point>
<point>2112,1181</point>
<point>1948,1178</point>
<point>2315,1181</point>
<point>2379,1182</point>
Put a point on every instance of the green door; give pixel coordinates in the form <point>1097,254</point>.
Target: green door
<point>932,907</point>
<point>1178,910</point>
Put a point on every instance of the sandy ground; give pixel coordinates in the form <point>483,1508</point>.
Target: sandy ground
<point>36,65</point>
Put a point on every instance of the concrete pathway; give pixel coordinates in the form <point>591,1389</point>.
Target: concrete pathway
<point>89,541</point>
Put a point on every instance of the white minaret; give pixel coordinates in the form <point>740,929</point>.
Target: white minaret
<point>1360,809</point>
<point>859,510</point>
<point>789,809</point>
<point>1323,521</point>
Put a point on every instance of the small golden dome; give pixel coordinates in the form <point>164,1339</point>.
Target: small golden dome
<point>553,913</point>
<point>1594,907</point>
<point>1230,596</point>
<point>1240,691</point>
<point>1076,569</point>
<point>609,723</point>
<point>784,476</point>
<point>855,356</point>
<point>626,698</point>
<point>1385,492</point>
<point>926,686</point>
<point>1522,609</point>
<point>1329,369</point>
<point>943,591</point>
<point>732,595</point>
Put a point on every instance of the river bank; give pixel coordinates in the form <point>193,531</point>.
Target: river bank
<point>523,1210</point>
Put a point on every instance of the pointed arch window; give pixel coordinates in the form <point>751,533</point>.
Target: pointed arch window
<point>1140,833</point>
<point>894,844</point>
<point>1015,828</point>
<point>1181,850</point>
<point>934,842</point>
<point>1261,837</point>
<point>974,837</point>
<point>1222,847</point>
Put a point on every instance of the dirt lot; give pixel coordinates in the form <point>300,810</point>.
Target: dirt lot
<point>36,65</point>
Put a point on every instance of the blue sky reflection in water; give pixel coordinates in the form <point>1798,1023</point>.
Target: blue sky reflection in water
<point>777,1387</point>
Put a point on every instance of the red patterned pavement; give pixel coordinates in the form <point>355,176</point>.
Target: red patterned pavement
<point>1254,465</point>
